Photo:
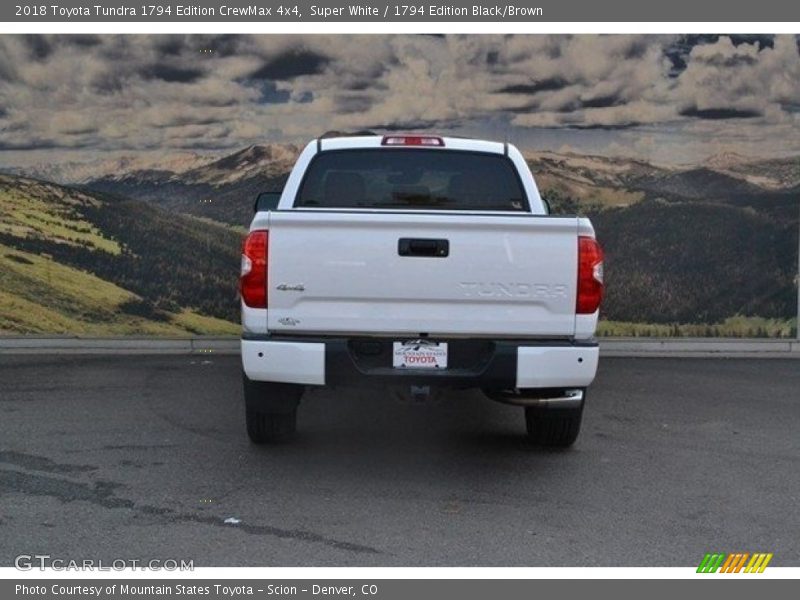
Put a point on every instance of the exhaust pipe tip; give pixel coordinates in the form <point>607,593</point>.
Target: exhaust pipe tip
<point>571,398</point>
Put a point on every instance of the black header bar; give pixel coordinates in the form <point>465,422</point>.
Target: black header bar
<point>399,11</point>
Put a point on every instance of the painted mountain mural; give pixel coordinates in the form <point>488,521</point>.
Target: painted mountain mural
<point>130,163</point>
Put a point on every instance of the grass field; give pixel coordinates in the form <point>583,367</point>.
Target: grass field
<point>43,294</point>
<point>41,209</point>
<point>736,327</point>
<point>40,296</point>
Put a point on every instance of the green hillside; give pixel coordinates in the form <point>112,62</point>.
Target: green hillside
<point>698,262</point>
<point>86,264</point>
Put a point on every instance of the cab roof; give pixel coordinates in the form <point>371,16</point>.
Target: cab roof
<point>410,140</point>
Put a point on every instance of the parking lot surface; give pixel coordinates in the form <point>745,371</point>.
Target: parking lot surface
<point>145,457</point>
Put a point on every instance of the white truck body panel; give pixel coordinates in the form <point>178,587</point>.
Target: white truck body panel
<point>284,361</point>
<point>556,367</point>
<point>508,276</point>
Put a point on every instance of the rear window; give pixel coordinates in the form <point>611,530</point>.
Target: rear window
<point>411,179</point>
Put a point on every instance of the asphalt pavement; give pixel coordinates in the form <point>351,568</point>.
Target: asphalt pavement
<point>142,457</point>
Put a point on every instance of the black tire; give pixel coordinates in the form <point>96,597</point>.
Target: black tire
<point>270,410</point>
<point>553,427</point>
<point>264,428</point>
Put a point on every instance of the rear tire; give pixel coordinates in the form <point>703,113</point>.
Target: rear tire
<point>263,428</point>
<point>553,427</point>
<point>270,410</point>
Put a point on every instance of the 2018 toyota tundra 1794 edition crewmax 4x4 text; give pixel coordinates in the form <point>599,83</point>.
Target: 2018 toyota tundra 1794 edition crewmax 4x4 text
<point>422,261</point>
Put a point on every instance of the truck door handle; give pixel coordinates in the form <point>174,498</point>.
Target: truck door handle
<point>423,247</point>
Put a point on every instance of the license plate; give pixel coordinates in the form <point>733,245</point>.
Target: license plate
<point>420,355</point>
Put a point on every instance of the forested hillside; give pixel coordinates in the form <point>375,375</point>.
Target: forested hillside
<point>74,262</point>
<point>697,262</point>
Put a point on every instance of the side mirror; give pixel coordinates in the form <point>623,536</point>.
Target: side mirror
<point>267,201</point>
<point>547,209</point>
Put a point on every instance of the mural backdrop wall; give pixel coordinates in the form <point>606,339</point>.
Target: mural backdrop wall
<point>130,162</point>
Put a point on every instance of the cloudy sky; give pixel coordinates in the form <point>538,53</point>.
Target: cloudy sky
<point>668,99</point>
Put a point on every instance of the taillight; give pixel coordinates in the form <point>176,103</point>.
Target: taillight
<point>412,140</point>
<point>590,276</point>
<point>253,282</point>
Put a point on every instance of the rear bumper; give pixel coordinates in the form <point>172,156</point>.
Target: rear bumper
<point>488,364</point>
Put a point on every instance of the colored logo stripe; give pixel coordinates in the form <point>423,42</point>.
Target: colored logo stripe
<point>734,562</point>
<point>710,563</point>
<point>758,563</point>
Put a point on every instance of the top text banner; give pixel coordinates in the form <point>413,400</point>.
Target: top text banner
<point>298,11</point>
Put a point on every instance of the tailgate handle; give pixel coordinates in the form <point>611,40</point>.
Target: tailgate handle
<point>423,247</point>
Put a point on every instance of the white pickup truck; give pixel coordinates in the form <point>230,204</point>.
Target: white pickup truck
<point>423,261</point>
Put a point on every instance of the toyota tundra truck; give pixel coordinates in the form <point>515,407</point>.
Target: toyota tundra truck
<point>418,262</point>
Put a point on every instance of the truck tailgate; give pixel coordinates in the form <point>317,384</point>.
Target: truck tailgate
<point>379,272</point>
